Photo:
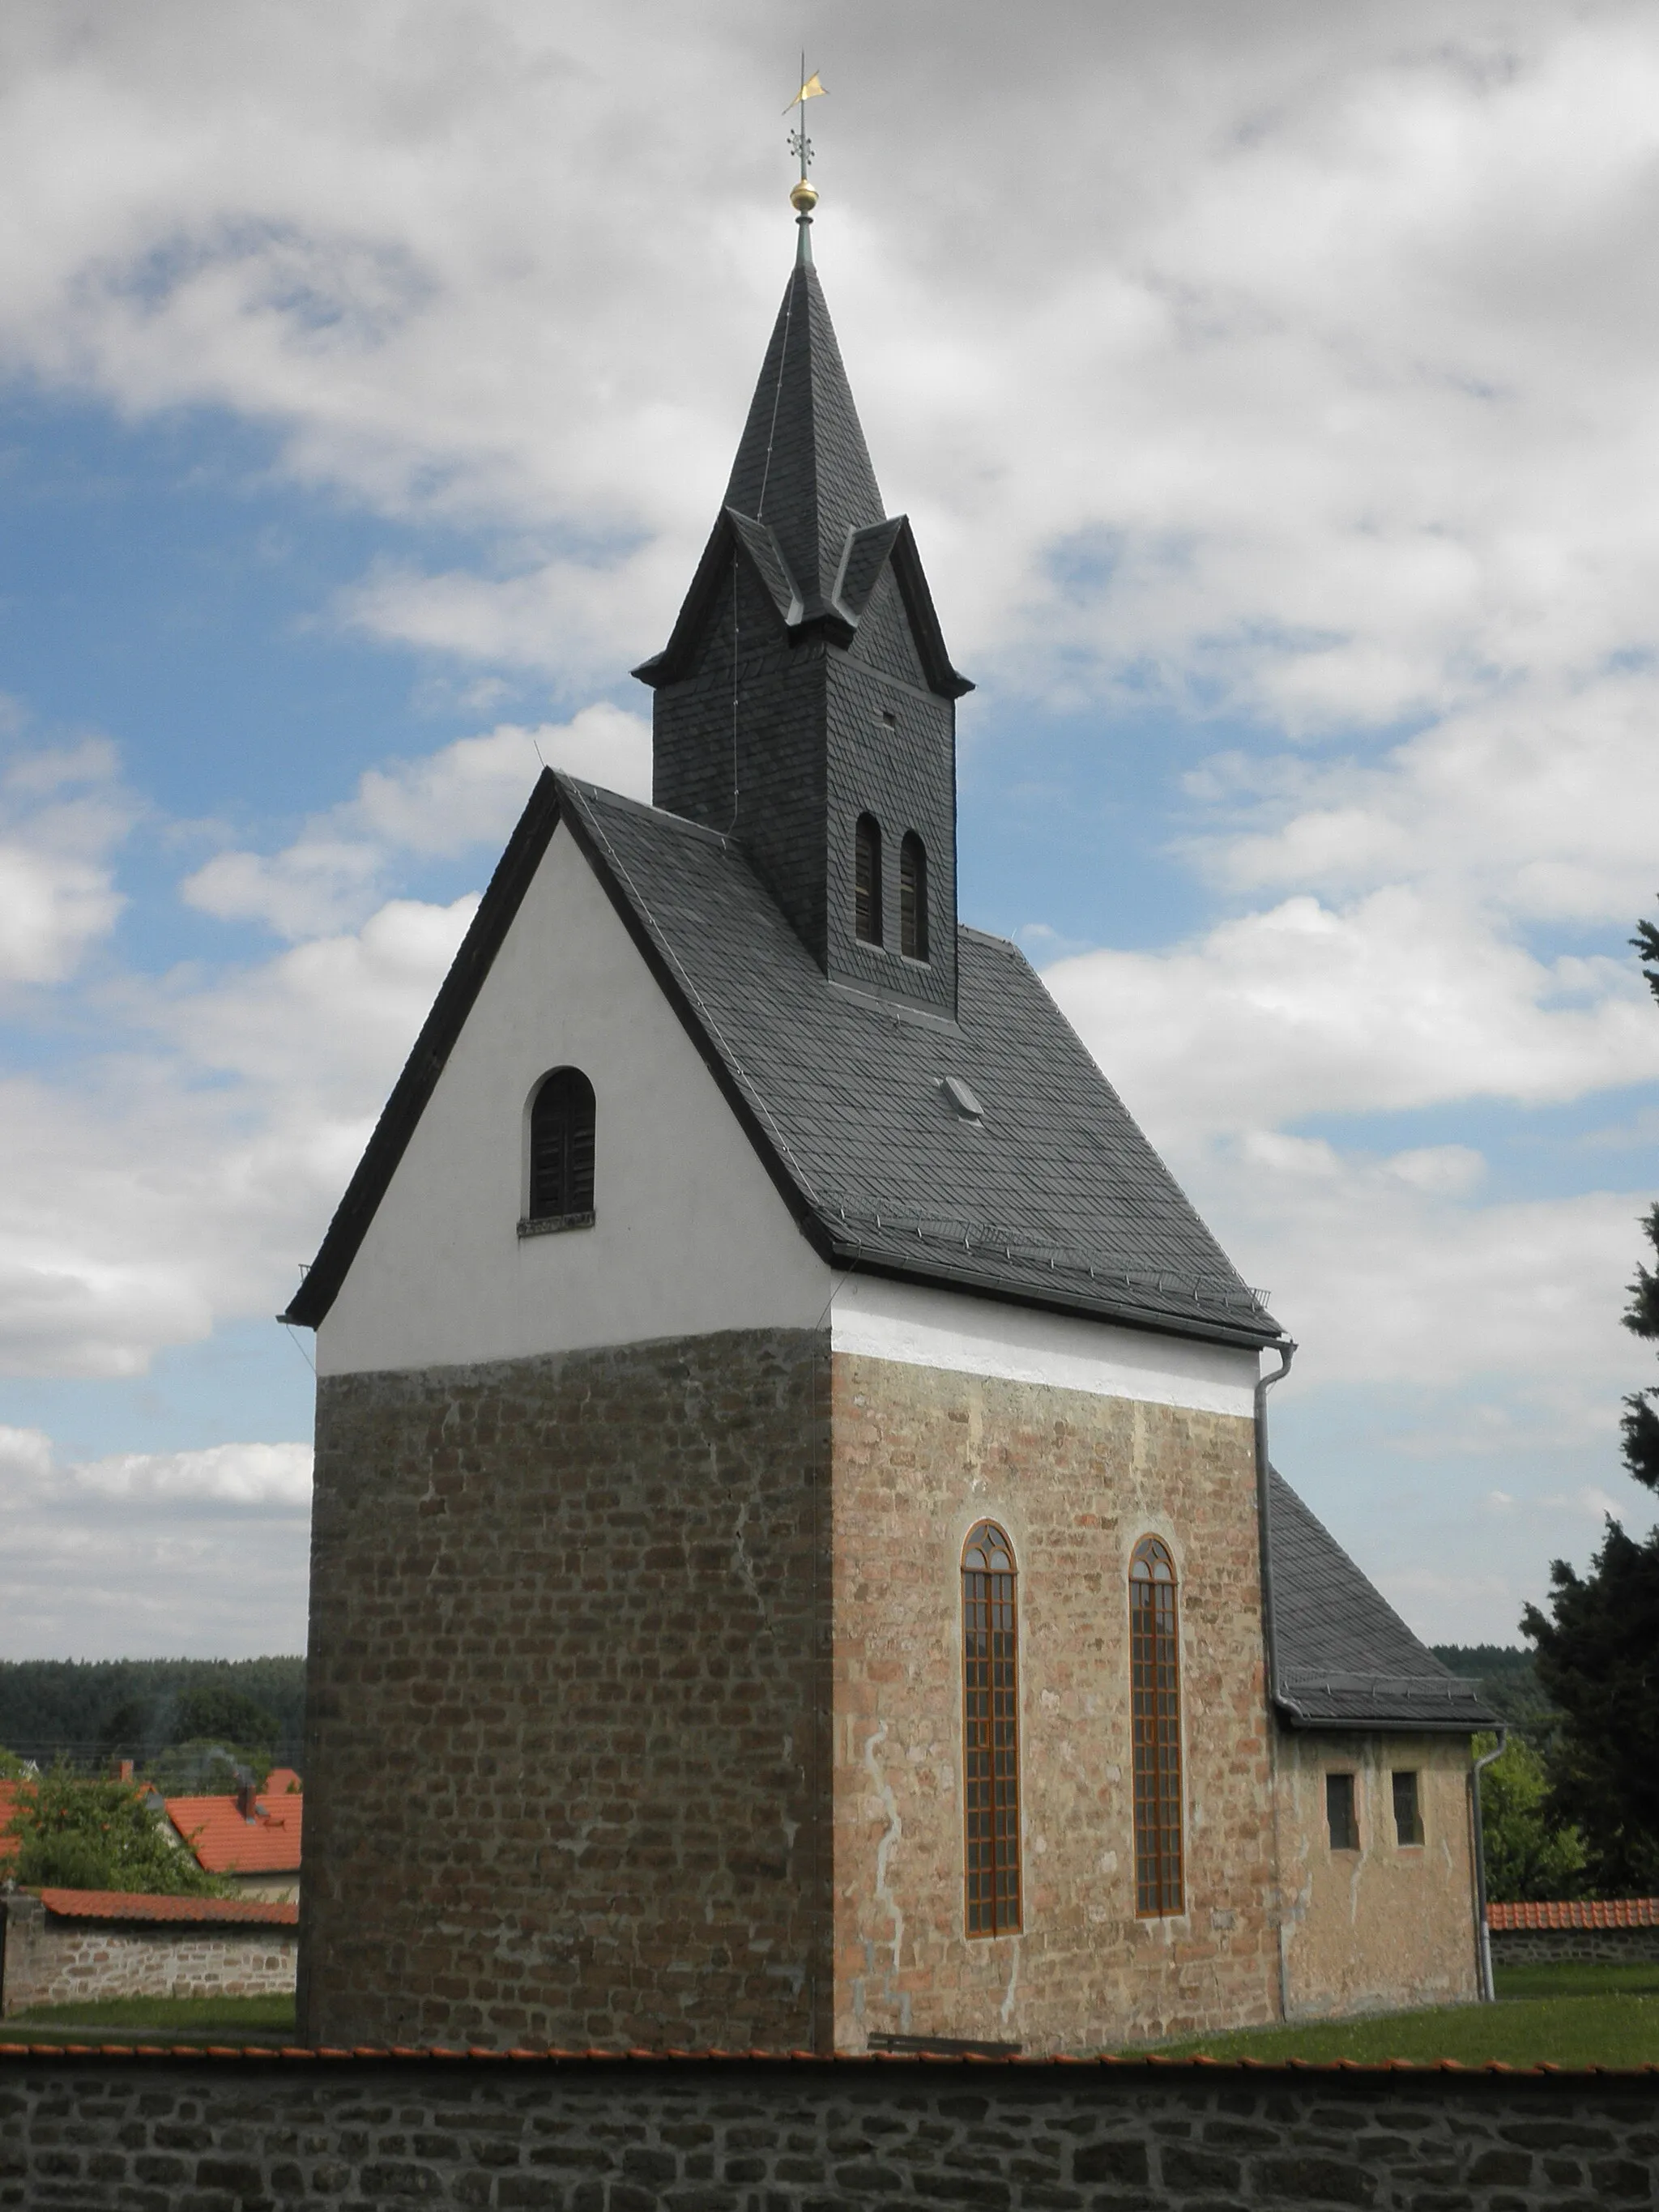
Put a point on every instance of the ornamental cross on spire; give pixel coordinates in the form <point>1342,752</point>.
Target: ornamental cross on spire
<point>803,198</point>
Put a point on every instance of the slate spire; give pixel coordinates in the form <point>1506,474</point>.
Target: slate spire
<point>806,704</point>
<point>802,465</point>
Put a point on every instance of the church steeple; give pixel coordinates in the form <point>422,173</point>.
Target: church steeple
<point>806,704</point>
<point>802,465</point>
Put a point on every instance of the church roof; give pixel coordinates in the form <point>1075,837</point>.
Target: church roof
<point>1345,1658</point>
<point>1049,1195</point>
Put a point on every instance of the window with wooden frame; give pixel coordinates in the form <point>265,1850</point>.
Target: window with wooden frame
<point>866,880</point>
<point>1155,1723</point>
<point>561,1195</point>
<point>990,1730</point>
<point>1340,1818</point>
<point>912,898</point>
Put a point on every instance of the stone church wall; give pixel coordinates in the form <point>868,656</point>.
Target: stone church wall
<point>1387,1926</point>
<point>1076,1480</point>
<point>561,1766</point>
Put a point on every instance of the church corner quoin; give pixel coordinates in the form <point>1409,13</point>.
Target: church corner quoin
<point>788,1568</point>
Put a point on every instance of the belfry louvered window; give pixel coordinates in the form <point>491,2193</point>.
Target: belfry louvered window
<point>561,1150</point>
<point>1155,1719</point>
<point>867,881</point>
<point>990,1730</point>
<point>912,898</point>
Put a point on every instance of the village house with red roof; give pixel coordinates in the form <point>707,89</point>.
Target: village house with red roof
<point>250,1839</point>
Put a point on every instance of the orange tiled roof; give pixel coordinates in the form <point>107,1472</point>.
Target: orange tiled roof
<point>1578,1912</point>
<point>225,1843</point>
<point>282,1782</point>
<point>129,1904</point>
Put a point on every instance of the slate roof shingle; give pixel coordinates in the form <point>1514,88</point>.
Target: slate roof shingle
<point>1345,1658</point>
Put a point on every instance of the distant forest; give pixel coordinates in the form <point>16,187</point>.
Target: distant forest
<point>88,1711</point>
<point>1509,1682</point>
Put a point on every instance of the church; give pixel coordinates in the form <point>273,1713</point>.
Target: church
<point>795,1559</point>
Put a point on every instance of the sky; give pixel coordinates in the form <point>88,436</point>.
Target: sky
<point>1272,390</point>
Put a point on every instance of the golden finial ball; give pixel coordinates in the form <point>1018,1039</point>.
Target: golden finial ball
<point>804,197</point>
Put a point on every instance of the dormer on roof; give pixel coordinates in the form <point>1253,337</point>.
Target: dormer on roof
<point>806,686</point>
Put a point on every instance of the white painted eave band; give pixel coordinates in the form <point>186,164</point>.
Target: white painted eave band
<point>917,1327</point>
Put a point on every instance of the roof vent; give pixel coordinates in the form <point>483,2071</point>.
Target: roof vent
<point>962,1098</point>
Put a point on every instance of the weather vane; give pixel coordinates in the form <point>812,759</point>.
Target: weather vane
<point>804,197</point>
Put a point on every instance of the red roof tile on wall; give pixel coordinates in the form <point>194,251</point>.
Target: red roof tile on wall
<point>227,1843</point>
<point>129,1904</point>
<point>1578,1912</point>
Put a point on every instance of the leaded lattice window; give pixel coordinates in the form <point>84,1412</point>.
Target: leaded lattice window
<point>1155,1718</point>
<point>990,1730</point>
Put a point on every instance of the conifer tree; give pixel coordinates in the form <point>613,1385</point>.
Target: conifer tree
<point>1598,1657</point>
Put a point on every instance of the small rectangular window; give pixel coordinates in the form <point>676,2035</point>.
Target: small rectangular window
<point>1407,1813</point>
<point>1339,1814</point>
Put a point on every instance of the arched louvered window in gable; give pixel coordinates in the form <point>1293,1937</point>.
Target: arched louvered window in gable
<point>867,881</point>
<point>561,1152</point>
<point>990,1730</point>
<point>1154,1716</point>
<point>912,898</point>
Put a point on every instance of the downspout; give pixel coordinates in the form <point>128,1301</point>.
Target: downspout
<point>1482,1933</point>
<point>1286,1351</point>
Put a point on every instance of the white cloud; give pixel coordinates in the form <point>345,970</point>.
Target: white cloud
<point>1386,1277</point>
<point>180,1181</point>
<point>61,813</point>
<point>470,793</point>
<point>152,1553</point>
<point>1397,1000</point>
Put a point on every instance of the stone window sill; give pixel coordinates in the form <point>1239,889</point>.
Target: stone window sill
<point>551,1225</point>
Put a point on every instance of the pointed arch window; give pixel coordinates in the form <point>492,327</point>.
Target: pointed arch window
<point>867,881</point>
<point>1155,1719</point>
<point>562,1117</point>
<point>912,898</point>
<point>990,1730</point>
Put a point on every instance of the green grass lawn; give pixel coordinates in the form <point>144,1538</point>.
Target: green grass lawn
<point>155,2020</point>
<point>1566,2015</point>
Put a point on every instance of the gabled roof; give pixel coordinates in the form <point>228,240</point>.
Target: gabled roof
<point>1054,1198</point>
<point>1345,1658</point>
<point>225,1843</point>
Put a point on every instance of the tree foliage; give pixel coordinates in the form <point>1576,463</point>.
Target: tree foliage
<point>1528,1855</point>
<point>74,1834</point>
<point>1599,1659</point>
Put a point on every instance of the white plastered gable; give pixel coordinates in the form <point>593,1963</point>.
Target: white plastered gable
<point>691,1235</point>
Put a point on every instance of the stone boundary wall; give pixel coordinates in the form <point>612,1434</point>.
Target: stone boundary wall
<point>1535,1946</point>
<point>49,1961</point>
<point>101,2130</point>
